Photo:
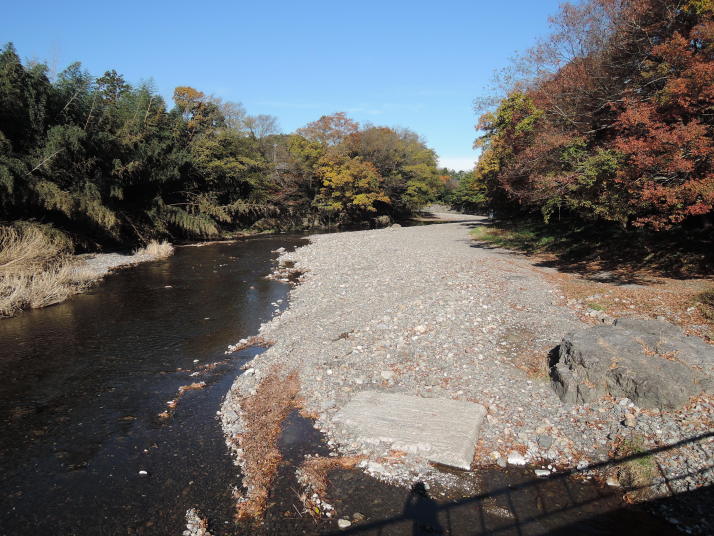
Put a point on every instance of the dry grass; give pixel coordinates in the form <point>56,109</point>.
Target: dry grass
<point>36,269</point>
<point>156,249</point>
<point>257,341</point>
<point>28,249</point>
<point>171,404</point>
<point>263,414</point>
<point>705,301</point>
<point>679,301</point>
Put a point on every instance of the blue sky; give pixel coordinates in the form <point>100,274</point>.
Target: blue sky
<point>400,63</point>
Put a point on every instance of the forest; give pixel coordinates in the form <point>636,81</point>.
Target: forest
<point>608,122</point>
<point>110,164</point>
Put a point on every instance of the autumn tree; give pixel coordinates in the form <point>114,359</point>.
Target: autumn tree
<point>610,118</point>
<point>350,188</point>
<point>329,129</point>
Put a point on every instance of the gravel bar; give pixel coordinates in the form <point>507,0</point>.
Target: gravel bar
<point>98,265</point>
<point>426,311</point>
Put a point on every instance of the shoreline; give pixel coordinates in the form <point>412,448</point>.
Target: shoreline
<point>86,270</point>
<point>424,311</point>
<point>76,274</point>
<point>99,265</point>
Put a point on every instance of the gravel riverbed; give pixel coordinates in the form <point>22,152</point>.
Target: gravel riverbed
<point>426,311</point>
<point>98,265</point>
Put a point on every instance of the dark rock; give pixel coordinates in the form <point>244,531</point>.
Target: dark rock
<point>651,362</point>
<point>381,221</point>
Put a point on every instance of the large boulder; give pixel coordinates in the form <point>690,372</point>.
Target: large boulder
<point>651,362</point>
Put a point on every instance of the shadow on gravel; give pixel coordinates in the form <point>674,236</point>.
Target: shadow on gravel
<point>511,501</point>
<point>604,254</point>
<point>518,504</point>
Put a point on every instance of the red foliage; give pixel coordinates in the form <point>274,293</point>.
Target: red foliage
<point>634,78</point>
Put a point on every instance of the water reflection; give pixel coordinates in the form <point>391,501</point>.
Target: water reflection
<point>84,381</point>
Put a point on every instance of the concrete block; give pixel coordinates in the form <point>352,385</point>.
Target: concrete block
<point>441,430</point>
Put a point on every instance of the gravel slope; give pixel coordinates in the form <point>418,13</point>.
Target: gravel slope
<point>425,311</point>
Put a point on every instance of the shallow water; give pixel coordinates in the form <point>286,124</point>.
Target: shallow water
<point>83,383</point>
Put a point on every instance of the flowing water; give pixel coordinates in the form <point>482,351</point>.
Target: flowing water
<point>82,385</point>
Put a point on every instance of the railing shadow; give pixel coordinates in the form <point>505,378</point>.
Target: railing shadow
<point>423,515</point>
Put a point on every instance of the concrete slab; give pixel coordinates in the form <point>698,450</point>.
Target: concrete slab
<point>441,430</point>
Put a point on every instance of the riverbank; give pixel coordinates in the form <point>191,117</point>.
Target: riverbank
<point>426,311</point>
<point>37,269</point>
<point>98,265</point>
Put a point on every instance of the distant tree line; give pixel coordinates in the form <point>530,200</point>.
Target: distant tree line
<point>610,119</point>
<point>109,163</point>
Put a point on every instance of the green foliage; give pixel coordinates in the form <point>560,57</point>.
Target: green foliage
<point>471,193</point>
<point>109,161</point>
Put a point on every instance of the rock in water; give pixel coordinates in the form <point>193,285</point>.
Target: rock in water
<point>651,362</point>
<point>196,525</point>
<point>441,430</point>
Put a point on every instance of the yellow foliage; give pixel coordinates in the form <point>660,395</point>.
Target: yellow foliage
<point>349,183</point>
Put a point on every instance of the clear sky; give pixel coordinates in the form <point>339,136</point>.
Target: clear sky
<point>410,64</point>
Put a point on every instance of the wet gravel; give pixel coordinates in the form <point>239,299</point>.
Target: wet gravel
<point>426,311</point>
<point>97,265</point>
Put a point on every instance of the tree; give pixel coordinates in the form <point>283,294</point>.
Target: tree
<point>350,187</point>
<point>329,129</point>
<point>610,118</point>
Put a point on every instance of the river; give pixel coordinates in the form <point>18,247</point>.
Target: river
<point>83,383</point>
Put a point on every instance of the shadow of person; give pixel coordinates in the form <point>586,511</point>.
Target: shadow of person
<point>423,511</point>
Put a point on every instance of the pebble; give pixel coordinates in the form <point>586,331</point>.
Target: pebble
<point>344,523</point>
<point>516,458</point>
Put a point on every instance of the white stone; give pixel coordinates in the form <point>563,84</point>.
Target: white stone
<point>516,458</point>
<point>387,374</point>
<point>344,523</point>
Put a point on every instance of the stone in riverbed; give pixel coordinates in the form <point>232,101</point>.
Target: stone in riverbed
<point>516,458</point>
<point>544,441</point>
<point>387,375</point>
<point>441,430</point>
<point>651,362</point>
